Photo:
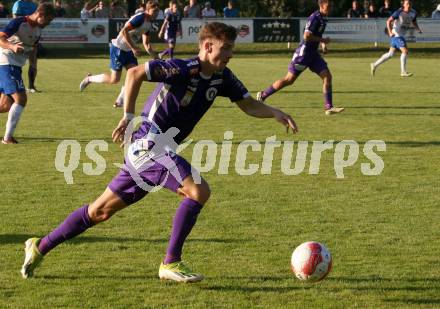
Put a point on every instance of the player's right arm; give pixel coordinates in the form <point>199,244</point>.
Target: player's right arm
<point>135,22</point>
<point>7,32</point>
<point>133,81</point>
<point>164,26</point>
<point>152,71</point>
<point>390,26</point>
<point>390,22</point>
<point>125,34</point>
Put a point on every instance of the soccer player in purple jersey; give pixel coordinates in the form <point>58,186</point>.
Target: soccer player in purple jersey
<point>123,49</point>
<point>186,90</point>
<point>17,42</point>
<point>172,25</point>
<point>307,56</point>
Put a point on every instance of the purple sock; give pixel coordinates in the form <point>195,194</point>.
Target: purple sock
<point>328,98</point>
<point>165,52</point>
<point>184,220</point>
<point>76,223</point>
<point>171,52</point>
<point>268,92</point>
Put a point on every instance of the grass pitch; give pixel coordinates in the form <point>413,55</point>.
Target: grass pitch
<point>383,231</point>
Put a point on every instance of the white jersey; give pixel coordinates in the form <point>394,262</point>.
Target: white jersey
<point>19,30</point>
<point>139,25</point>
<point>403,21</point>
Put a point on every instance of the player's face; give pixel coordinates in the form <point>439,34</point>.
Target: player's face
<point>153,12</point>
<point>325,8</point>
<point>174,8</point>
<point>43,20</point>
<point>406,5</point>
<point>220,52</point>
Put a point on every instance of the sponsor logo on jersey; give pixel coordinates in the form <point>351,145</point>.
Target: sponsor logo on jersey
<point>216,82</point>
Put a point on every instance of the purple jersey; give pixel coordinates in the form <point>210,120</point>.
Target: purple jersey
<point>316,24</point>
<point>184,95</point>
<point>173,24</point>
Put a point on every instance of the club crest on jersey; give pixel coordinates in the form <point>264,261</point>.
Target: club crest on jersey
<point>211,93</point>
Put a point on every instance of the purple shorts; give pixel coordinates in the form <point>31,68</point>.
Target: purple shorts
<point>170,38</point>
<point>131,190</point>
<point>312,61</point>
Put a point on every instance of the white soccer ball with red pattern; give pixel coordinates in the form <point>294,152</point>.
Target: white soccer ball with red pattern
<point>311,261</point>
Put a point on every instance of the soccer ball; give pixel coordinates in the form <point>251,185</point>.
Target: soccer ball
<point>311,261</point>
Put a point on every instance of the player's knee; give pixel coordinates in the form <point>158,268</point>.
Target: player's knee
<point>327,78</point>
<point>114,80</point>
<point>100,213</point>
<point>4,108</point>
<point>288,80</point>
<point>22,99</point>
<point>200,193</point>
<point>390,54</point>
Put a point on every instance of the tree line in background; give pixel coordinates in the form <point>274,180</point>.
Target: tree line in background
<point>267,8</point>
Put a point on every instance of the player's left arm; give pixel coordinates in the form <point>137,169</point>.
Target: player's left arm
<point>259,109</point>
<point>180,29</point>
<point>416,25</point>
<point>148,47</point>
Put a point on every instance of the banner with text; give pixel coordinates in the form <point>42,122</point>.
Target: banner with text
<point>276,30</point>
<point>76,31</point>
<point>374,30</point>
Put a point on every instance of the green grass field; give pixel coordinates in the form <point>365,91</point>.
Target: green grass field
<point>383,231</point>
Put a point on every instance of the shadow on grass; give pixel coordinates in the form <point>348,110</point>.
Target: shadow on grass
<point>84,276</point>
<point>382,279</point>
<point>368,92</point>
<point>50,139</point>
<point>397,143</point>
<point>21,238</point>
<point>414,144</point>
<point>347,107</point>
<point>250,289</point>
<point>414,301</point>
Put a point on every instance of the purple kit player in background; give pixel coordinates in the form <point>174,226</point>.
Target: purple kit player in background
<point>172,25</point>
<point>186,91</point>
<point>17,42</point>
<point>307,56</point>
<point>123,49</point>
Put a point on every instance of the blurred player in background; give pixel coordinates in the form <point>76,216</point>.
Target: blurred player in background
<point>17,43</point>
<point>307,56</point>
<point>171,26</point>
<point>398,25</point>
<point>25,8</point>
<point>123,49</point>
